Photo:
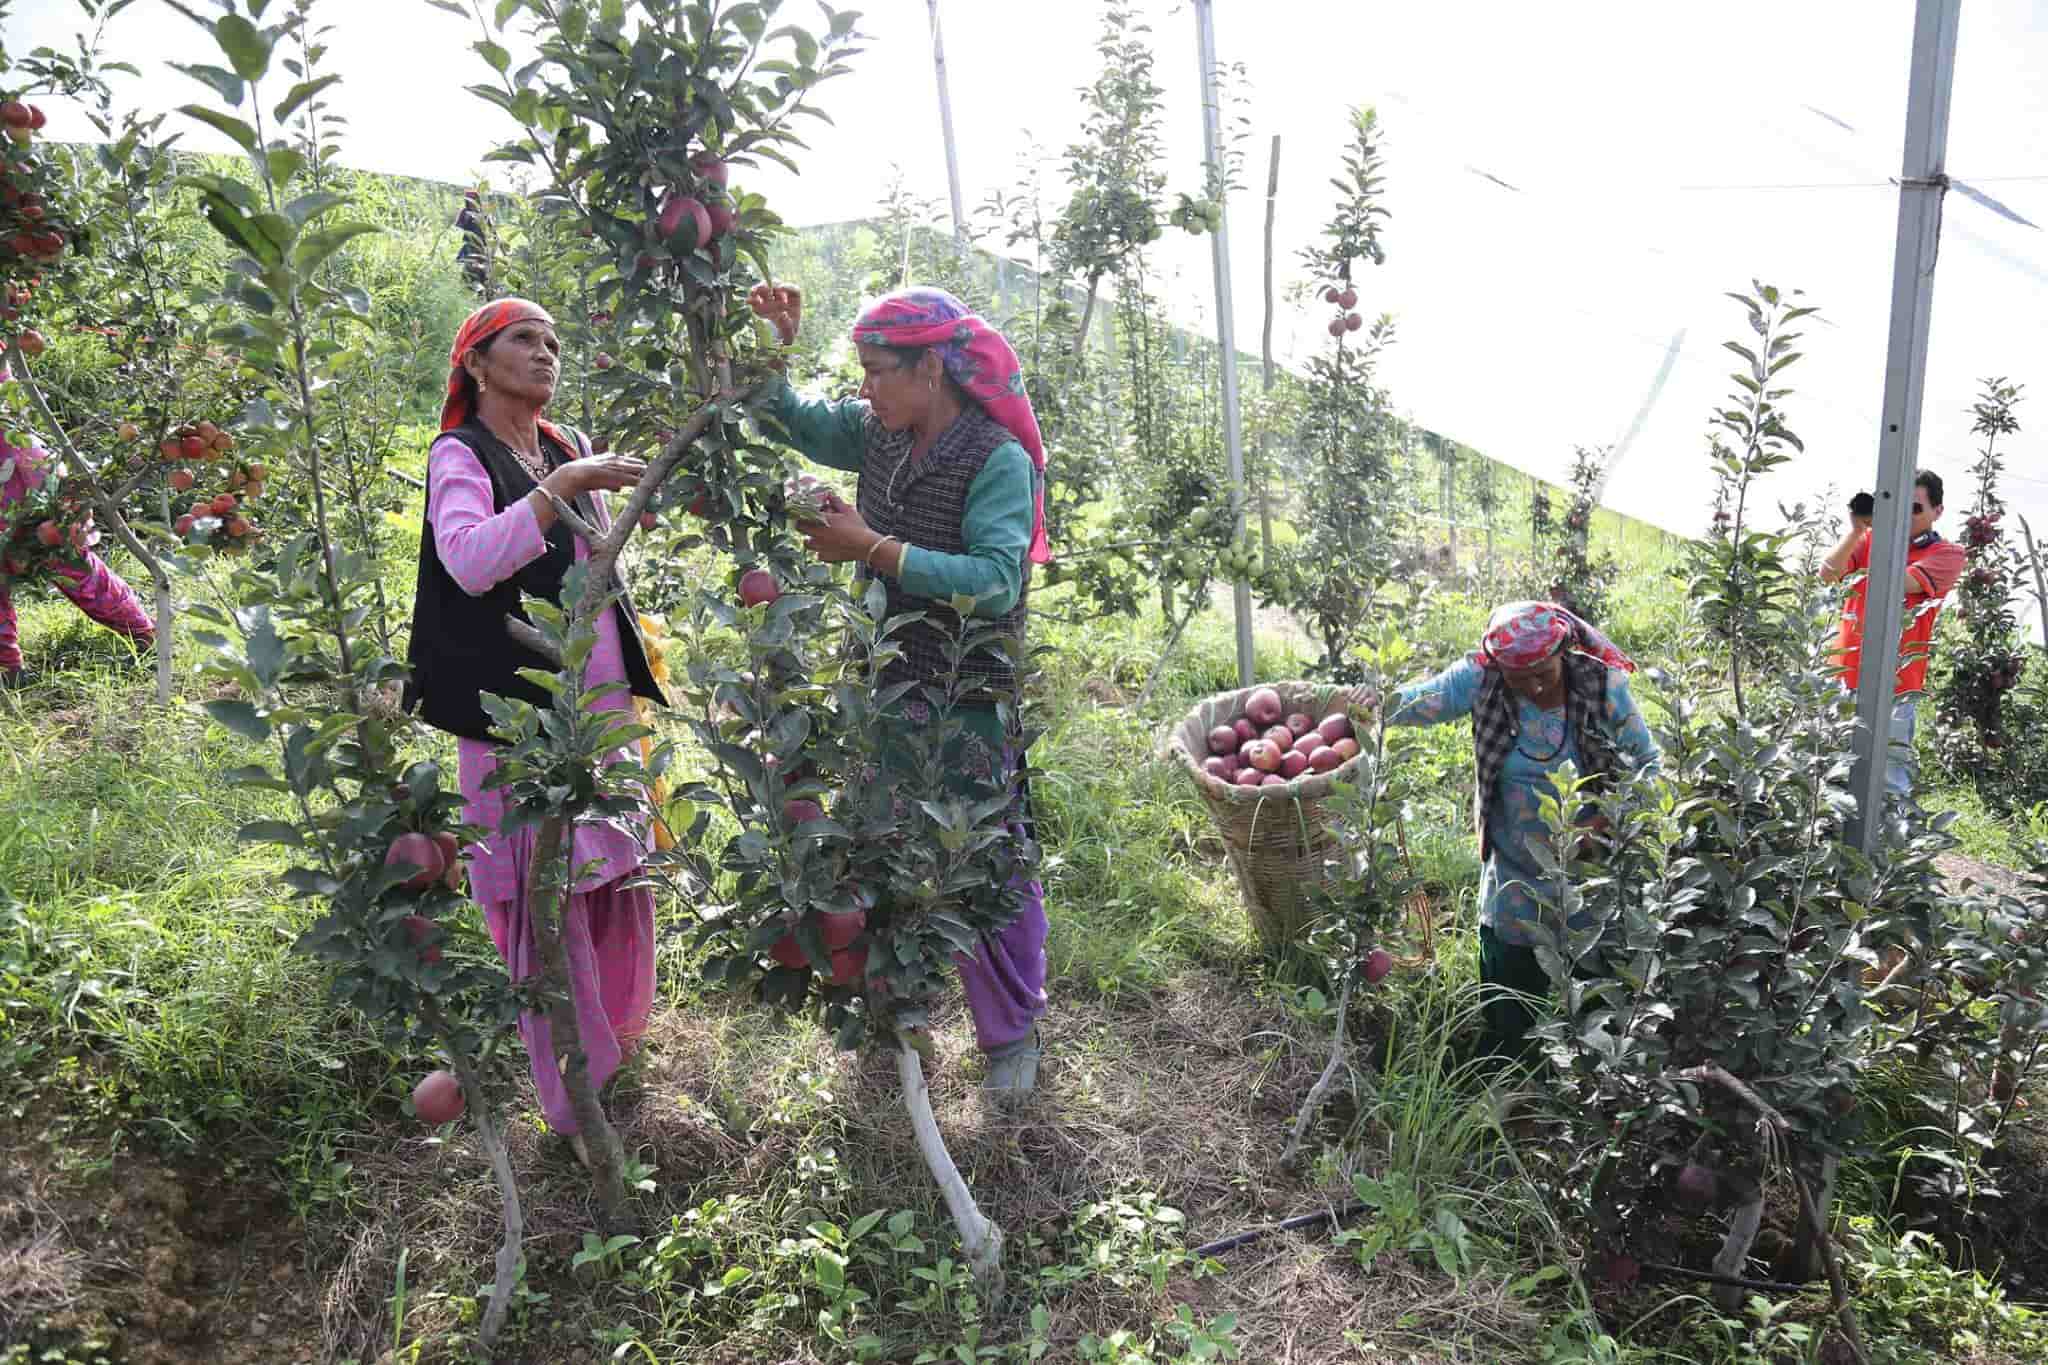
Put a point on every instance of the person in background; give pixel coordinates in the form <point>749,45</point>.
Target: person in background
<point>1861,508</point>
<point>951,502</point>
<point>1932,567</point>
<point>89,584</point>
<point>1543,689</point>
<point>474,255</point>
<point>491,533</point>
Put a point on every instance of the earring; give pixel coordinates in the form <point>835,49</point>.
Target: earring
<point>482,388</point>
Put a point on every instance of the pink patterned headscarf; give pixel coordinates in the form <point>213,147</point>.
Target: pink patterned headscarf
<point>979,361</point>
<point>1523,634</point>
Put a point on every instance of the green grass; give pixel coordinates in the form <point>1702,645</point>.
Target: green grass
<point>153,1018</point>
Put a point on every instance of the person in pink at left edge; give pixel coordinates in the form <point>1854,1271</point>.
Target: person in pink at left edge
<point>491,534</point>
<point>90,585</point>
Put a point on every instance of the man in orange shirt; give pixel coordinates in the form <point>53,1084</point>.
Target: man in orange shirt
<point>1932,567</point>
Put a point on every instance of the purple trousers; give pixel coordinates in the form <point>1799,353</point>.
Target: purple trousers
<point>1005,979</point>
<point>97,591</point>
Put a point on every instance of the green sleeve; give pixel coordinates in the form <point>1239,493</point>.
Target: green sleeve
<point>831,433</point>
<point>996,528</point>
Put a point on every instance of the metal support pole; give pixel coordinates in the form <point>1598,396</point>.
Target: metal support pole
<point>1921,188</point>
<point>1226,332</point>
<point>946,128</point>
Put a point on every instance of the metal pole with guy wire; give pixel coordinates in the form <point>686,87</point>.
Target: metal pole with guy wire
<point>1921,187</point>
<point>946,129</point>
<point>1226,332</point>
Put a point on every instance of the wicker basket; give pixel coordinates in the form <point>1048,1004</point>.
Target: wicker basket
<point>1276,837</point>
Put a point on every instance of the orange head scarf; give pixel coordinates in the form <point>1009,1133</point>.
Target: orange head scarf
<point>485,323</point>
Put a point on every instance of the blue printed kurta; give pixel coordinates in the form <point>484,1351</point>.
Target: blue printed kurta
<point>1506,903</point>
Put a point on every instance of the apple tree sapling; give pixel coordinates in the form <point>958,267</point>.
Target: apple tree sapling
<point>634,121</point>
<point>866,858</point>
<point>361,825</point>
<point>1368,878</point>
<point>1332,576</point>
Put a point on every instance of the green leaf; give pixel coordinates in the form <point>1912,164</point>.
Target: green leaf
<point>500,60</point>
<point>315,247</point>
<point>270,832</point>
<point>227,83</point>
<point>299,94</point>
<point>241,717</point>
<point>243,135</point>
<point>508,8</point>
<point>247,46</point>
<point>309,206</point>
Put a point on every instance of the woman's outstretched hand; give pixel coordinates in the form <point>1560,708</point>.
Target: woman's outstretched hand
<point>780,304</point>
<point>605,473</point>
<point>843,535</point>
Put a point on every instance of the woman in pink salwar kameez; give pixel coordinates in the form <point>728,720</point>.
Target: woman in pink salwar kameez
<point>89,584</point>
<point>490,534</point>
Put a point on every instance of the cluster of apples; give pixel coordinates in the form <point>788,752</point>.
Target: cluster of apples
<point>693,217</point>
<point>1345,298</point>
<point>433,858</point>
<point>30,229</point>
<point>1263,748</point>
<point>13,301</point>
<point>1197,216</point>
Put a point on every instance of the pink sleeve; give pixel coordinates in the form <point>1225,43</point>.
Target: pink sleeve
<point>479,547</point>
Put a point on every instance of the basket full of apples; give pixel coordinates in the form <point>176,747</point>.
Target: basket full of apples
<point>1264,759</point>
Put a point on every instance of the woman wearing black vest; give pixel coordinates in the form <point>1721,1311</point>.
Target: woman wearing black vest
<point>951,502</point>
<point>491,534</point>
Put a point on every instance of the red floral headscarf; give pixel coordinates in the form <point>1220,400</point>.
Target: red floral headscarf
<point>485,323</point>
<point>1523,634</point>
<point>979,361</point>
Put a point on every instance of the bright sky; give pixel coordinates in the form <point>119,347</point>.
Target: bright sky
<point>1659,154</point>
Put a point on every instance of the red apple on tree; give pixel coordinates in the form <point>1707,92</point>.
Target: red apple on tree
<point>1347,299</point>
<point>709,169</point>
<point>849,965</point>
<point>1378,963</point>
<point>417,927</point>
<point>757,588</point>
<point>681,209</point>
<point>419,852</point>
<point>437,1099</point>
<point>50,534</point>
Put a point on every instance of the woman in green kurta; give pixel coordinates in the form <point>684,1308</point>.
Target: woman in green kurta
<point>950,504</point>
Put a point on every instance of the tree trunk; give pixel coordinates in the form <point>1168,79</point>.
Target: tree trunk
<point>607,1154</point>
<point>1734,1252</point>
<point>980,1239</point>
<point>1321,1088</point>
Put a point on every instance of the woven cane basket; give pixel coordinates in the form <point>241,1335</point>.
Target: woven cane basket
<point>1275,837</point>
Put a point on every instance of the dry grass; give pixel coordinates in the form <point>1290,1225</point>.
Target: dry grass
<point>1186,1097</point>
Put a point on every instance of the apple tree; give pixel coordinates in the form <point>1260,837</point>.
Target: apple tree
<point>1349,513</point>
<point>370,837</point>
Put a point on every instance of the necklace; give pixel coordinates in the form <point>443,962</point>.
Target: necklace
<point>536,465</point>
<point>1564,738</point>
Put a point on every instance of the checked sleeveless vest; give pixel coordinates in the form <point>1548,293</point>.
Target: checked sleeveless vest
<point>922,503</point>
<point>1496,727</point>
